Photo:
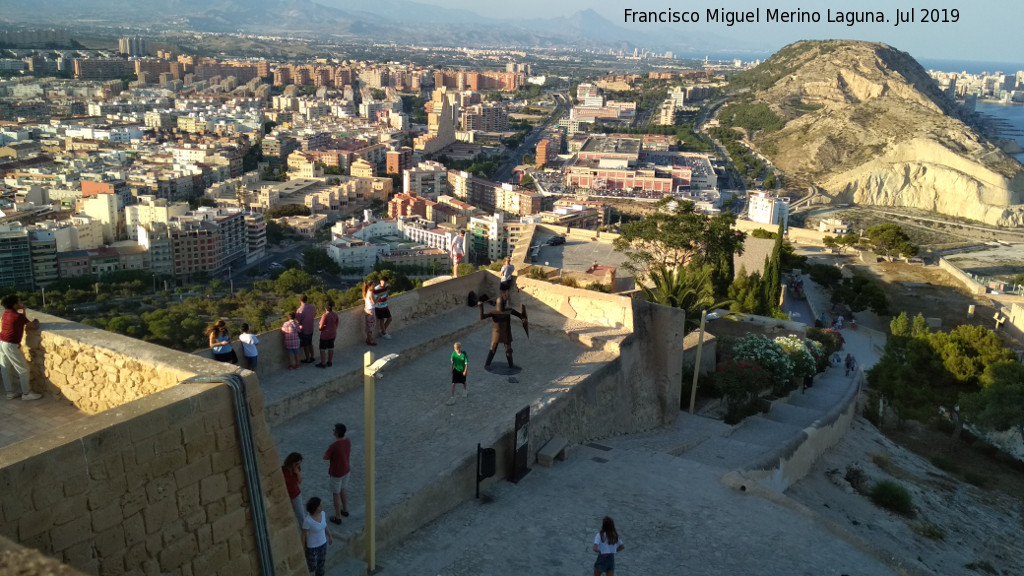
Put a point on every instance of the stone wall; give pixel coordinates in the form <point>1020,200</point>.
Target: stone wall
<point>588,306</point>
<point>97,370</point>
<point>154,486</point>
<point>789,463</point>
<point>407,308</point>
<point>966,281</point>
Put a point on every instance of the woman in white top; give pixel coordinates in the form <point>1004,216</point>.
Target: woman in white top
<point>607,543</point>
<point>507,279</point>
<point>315,537</point>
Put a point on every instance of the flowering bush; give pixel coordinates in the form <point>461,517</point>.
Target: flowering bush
<point>740,382</point>
<point>831,340</point>
<point>767,355</point>
<point>803,361</point>
<point>818,351</point>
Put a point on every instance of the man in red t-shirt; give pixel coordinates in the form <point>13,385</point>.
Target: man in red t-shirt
<point>338,454</point>
<point>306,315</point>
<point>12,329</point>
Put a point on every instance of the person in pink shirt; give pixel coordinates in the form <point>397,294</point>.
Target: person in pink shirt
<point>306,316</point>
<point>290,335</point>
<point>328,332</point>
<point>14,323</point>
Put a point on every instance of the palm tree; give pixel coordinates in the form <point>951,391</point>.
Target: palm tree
<point>690,288</point>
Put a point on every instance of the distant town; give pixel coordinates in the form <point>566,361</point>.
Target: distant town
<point>189,167</point>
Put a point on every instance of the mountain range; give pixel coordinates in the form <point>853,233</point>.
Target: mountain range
<point>401,21</point>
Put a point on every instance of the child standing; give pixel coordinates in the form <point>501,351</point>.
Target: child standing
<point>290,335</point>
<point>460,366</point>
<point>607,543</point>
<point>249,349</point>
<point>338,454</point>
<point>14,323</point>
<point>315,537</point>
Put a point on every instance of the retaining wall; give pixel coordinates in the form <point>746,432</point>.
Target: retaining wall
<point>152,482</point>
<point>960,276</point>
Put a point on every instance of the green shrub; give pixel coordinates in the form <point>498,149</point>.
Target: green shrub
<point>569,281</point>
<point>930,531</point>
<point>975,478</point>
<point>945,463</point>
<point>892,496</point>
<point>981,566</point>
<point>535,273</point>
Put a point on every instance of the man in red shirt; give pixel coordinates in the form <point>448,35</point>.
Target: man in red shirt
<point>14,323</point>
<point>338,454</point>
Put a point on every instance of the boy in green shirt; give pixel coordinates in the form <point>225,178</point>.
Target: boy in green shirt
<point>460,365</point>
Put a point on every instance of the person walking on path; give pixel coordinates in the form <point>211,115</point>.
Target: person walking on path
<point>369,313</point>
<point>381,310</point>
<point>460,366</point>
<point>458,252</point>
<point>292,470</point>
<point>507,279</point>
<point>607,544</point>
<point>220,343</point>
<point>338,454</point>
<point>13,324</point>
<point>328,332</point>
<point>501,333</point>
<point>306,315</point>
<point>316,537</point>
<point>290,335</point>
<point>249,347</point>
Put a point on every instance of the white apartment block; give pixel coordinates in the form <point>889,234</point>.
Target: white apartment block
<point>767,208</point>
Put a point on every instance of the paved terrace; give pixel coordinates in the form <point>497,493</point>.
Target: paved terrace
<point>665,490</point>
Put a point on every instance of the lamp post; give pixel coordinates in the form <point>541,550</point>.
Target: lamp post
<point>696,364</point>
<point>371,371</point>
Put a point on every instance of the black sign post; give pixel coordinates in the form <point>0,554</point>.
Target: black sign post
<point>486,463</point>
<point>521,446</point>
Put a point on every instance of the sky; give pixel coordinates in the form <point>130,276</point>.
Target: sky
<point>987,30</point>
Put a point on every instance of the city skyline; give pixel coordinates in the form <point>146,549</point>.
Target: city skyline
<point>987,20</point>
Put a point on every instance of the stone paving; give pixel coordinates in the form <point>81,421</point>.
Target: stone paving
<point>663,488</point>
<point>23,420</point>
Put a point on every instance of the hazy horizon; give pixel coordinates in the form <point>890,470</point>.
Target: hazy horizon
<point>986,30</point>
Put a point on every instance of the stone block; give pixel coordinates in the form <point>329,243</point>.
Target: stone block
<point>554,448</point>
<point>133,501</point>
<point>188,500</point>
<point>211,560</point>
<point>232,522</point>
<point>110,542</point>
<point>192,472</point>
<point>134,530</point>
<point>107,517</point>
<point>166,463</point>
<point>74,532</point>
<point>103,493</point>
<point>158,514</point>
<point>213,488</point>
<point>160,487</point>
<point>178,553</point>
<point>35,523</point>
<point>195,521</point>
<point>225,460</point>
<point>67,509</point>
<point>82,557</point>
<point>113,564</point>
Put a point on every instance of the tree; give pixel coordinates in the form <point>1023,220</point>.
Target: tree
<point>287,210</point>
<point>830,242</point>
<point>689,288</point>
<point>999,405</point>
<point>318,261</point>
<point>890,241</point>
<point>746,293</point>
<point>677,234</point>
<point>295,281</point>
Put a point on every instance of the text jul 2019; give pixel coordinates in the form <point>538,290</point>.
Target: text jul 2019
<point>775,15</point>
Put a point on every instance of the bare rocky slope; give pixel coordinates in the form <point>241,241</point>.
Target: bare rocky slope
<point>867,124</point>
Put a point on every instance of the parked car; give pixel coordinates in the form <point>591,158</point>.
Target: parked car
<point>556,240</point>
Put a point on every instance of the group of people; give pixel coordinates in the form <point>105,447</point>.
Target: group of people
<point>300,326</point>
<point>311,517</point>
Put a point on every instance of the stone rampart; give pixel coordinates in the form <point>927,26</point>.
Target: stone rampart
<point>960,276</point>
<point>407,309</point>
<point>153,481</point>
<point>790,462</point>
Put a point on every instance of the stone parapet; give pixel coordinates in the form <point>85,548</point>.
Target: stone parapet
<point>153,481</point>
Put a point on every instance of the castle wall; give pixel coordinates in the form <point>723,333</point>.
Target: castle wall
<point>153,481</point>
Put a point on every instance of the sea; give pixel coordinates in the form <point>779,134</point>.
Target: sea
<point>1012,115</point>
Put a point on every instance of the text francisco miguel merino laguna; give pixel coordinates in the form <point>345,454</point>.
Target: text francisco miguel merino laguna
<point>770,15</point>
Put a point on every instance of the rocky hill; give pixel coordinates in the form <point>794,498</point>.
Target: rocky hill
<point>867,124</point>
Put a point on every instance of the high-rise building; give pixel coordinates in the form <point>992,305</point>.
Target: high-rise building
<point>427,179</point>
<point>133,46</point>
<point>15,258</point>
<point>398,160</point>
<point>767,208</point>
<point>43,248</point>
